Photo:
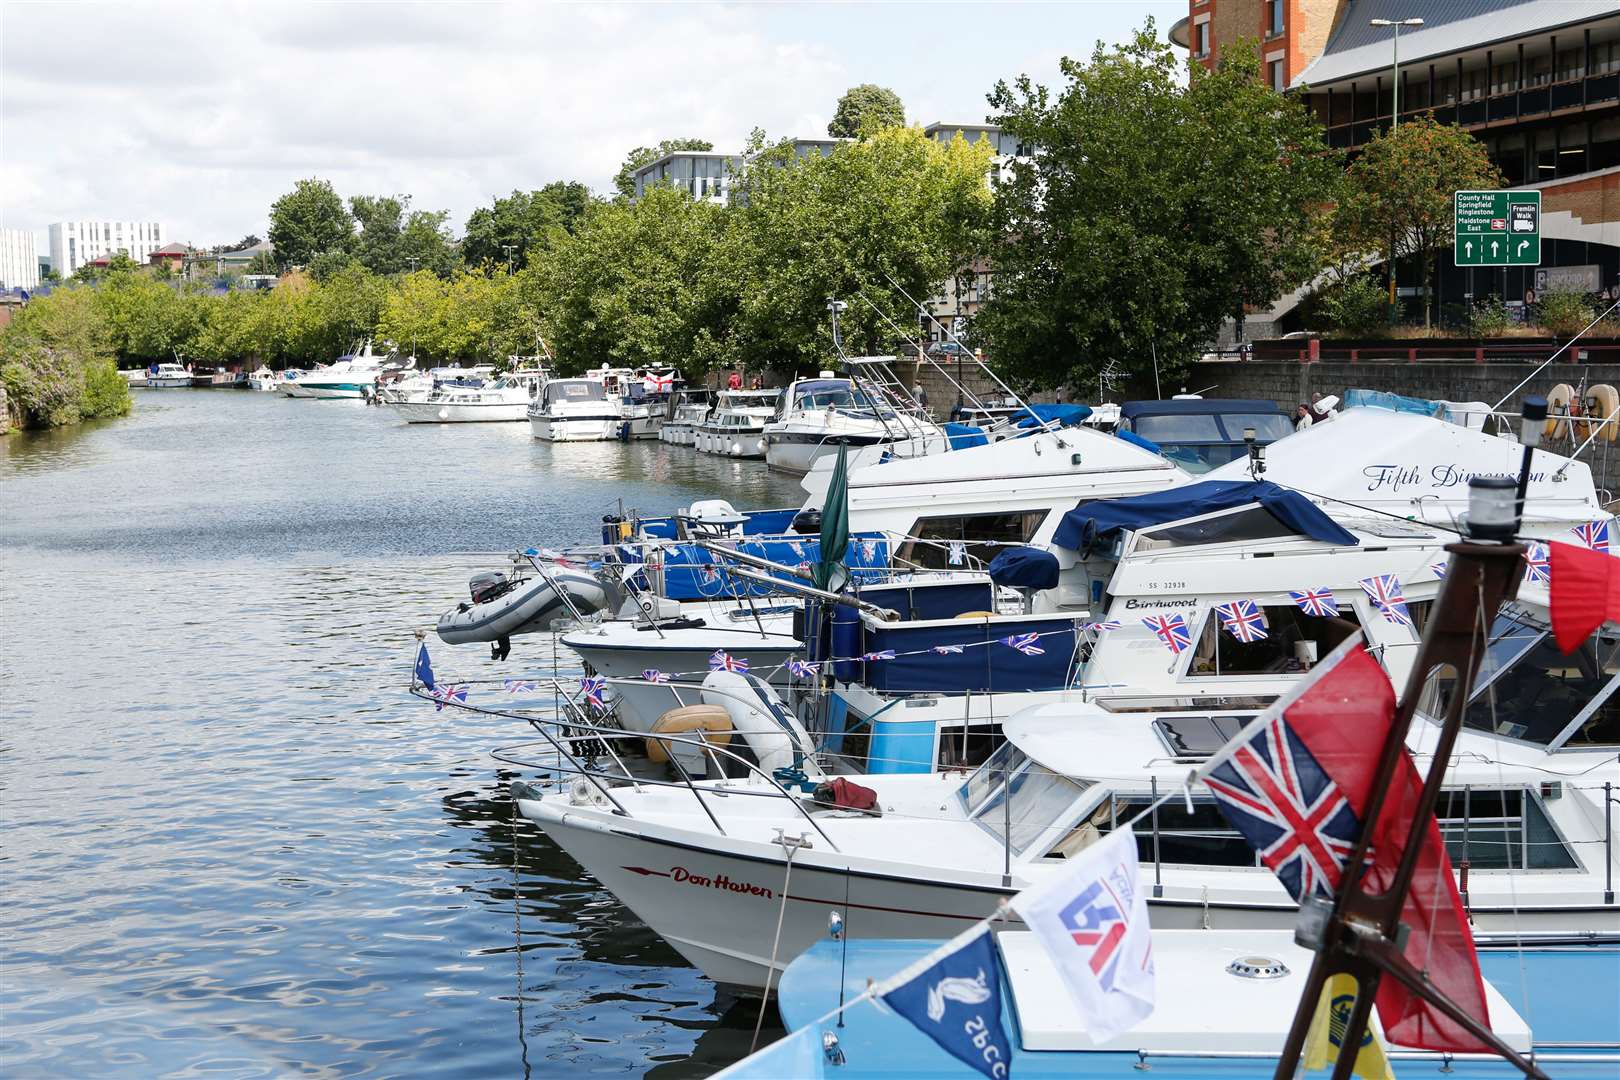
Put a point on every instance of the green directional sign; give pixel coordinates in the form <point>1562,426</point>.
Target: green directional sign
<point>1497,228</point>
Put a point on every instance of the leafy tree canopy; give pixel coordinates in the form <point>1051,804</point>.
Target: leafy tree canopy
<point>1152,210</point>
<point>625,181</point>
<point>523,220</point>
<point>864,108</point>
<point>250,240</point>
<point>309,221</point>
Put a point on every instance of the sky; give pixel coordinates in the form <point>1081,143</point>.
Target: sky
<point>200,114</point>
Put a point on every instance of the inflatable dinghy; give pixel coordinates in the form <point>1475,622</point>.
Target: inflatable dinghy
<point>501,607</point>
<point>758,715</point>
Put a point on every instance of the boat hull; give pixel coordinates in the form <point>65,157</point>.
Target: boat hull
<point>574,429</point>
<point>174,382</point>
<point>749,444</point>
<point>429,412</point>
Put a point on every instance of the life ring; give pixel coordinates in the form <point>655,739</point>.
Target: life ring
<point>1558,399</point>
<point>1607,405</point>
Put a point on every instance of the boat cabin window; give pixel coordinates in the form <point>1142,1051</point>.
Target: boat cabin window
<point>1501,830</point>
<point>827,394</point>
<point>982,537</point>
<point>1202,838</point>
<point>1039,797</point>
<point>1528,689</point>
<point>1291,636</point>
<point>572,390</point>
<point>1250,523</point>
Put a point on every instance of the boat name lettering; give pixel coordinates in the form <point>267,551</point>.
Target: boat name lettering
<point>720,881</point>
<point>1133,604</point>
<point>1393,478</point>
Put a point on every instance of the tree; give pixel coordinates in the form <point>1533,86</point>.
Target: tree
<point>625,180</point>
<point>521,221</point>
<point>864,108</point>
<point>1397,200</point>
<point>893,214</point>
<point>250,240</point>
<point>382,220</point>
<point>56,362</point>
<point>1151,210</point>
<point>262,263</point>
<point>309,221</point>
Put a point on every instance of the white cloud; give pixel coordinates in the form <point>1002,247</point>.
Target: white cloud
<point>201,114</point>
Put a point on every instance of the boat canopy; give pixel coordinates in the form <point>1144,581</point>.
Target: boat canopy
<point>1101,519</point>
<point>1062,415</point>
<point>1025,568</point>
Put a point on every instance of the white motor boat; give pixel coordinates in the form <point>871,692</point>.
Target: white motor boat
<point>166,377</point>
<point>736,426</point>
<point>818,415</point>
<point>501,400</point>
<point>574,410</point>
<point>688,409</point>
<point>353,375</point>
<point>263,380</point>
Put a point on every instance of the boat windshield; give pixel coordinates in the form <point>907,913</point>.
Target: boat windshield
<point>1040,801</point>
<point>826,394</point>
<point>1528,689</point>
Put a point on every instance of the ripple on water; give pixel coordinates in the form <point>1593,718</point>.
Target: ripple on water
<point>233,846</point>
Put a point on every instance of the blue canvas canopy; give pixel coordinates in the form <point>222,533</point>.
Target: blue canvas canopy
<point>1100,519</point>
<point>1062,415</point>
<point>1025,568</point>
<point>962,436</point>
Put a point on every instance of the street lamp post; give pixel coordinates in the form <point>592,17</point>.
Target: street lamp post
<point>509,248</point>
<point>1394,122</point>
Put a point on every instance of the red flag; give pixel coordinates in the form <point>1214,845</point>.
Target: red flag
<point>1585,592</point>
<point>1342,715</point>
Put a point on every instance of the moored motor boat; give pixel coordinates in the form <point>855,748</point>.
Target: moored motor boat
<point>501,400</point>
<point>501,607</point>
<point>263,379</point>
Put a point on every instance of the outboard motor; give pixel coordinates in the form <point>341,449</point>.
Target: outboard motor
<point>486,586</point>
<point>807,522</point>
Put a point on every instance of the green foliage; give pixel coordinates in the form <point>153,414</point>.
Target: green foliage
<point>865,108</point>
<point>1161,200</point>
<point>1356,307</point>
<point>382,220</point>
<point>1397,196</point>
<point>262,263</point>
<point>246,242</point>
<point>470,316</point>
<point>523,220</point>
<point>624,182</point>
<point>1564,312</point>
<point>1489,317</point>
<point>56,362</point>
<point>119,263</point>
<point>894,211</point>
<point>49,275</point>
<point>309,221</point>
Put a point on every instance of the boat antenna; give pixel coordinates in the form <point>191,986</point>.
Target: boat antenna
<point>835,307</point>
<point>1358,932</point>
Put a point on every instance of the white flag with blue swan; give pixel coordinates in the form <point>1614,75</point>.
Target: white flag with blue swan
<point>1092,919</point>
<point>953,995</point>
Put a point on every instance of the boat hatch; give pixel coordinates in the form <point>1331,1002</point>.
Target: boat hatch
<point>1195,737</point>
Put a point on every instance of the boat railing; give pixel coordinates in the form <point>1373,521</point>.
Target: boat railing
<point>568,739</point>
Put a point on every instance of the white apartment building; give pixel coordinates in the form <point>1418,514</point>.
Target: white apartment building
<point>19,262</point>
<point>74,243</point>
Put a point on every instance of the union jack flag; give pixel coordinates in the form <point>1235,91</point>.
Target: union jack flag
<point>1274,792</point>
<point>1594,534</point>
<point>520,686</point>
<point>721,660</point>
<point>444,695</point>
<point>1169,629</point>
<point>1243,619</point>
<point>802,669</point>
<point>593,685</point>
<point>1439,568</point>
<point>1025,643</point>
<point>958,553</point>
<point>709,575</point>
<point>881,654</point>
<point>798,547</point>
<point>868,550</point>
<point>1537,569</point>
<point>652,674</point>
<point>946,650</point>
<point>1384,590</point>
<point>1103,627</point>
<point>1318,602</point>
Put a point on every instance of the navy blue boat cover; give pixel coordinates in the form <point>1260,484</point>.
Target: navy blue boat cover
<point>1064,415</point>
<point>1025,568</point>
<point>1102,518</point>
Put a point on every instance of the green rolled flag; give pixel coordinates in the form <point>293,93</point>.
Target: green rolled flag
<point>831,573</point>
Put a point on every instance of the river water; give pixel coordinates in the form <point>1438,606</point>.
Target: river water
<point>233,845</point>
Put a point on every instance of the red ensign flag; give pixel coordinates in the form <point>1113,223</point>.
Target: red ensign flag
<point>1585,592</point>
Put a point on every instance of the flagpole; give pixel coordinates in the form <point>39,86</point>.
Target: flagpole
<point>1360,937</point>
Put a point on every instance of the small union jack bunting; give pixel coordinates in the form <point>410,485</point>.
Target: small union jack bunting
<point>1171,630</point>
<point>709,574</point>
<point>1594,534</point>
<point>881,654</point>
<point>721,660</point>
<point>947,650</point>
<point>520,686</point>
<point>1438,568</point>
<point>1102,627</point>
<point>652,674</point>
<point>869,550</point>
<point>1243,619</point>
<point>958,553</point>
<point>1028,644</point>
<point>444,695</point>
<point>1384,590</point>
<point>594,685</point>
<point>1537,570</point>
<point>802,669</point>
<point>1318,602</point>
<point>798,547</point>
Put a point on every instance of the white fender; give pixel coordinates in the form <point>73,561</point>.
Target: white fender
<point>759,716</point>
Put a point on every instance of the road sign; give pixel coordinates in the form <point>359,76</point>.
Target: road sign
<point>1497,228</point>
